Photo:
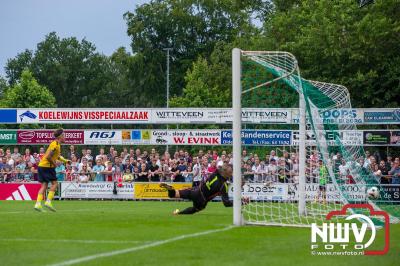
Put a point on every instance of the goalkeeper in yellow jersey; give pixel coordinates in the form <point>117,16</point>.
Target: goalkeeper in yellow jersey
<point>47,171</point>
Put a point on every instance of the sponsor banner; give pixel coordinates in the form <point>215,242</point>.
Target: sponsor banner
<point>258,191</point>
<point>259,137</point>
<point>289,192</point>
<point>335,116</point>
<point>46,136</point>
<point>376,137</point>
<point>180,115</point>
<point>186,137</point>
<point>382,116</point>
<point>27,191</point>
<point>172,137</point>
<point>267,116</point>
<point>8,116</point>
<point>153,190</point>
<point>87,116</point>
<point>8,137</point>
<point>394,137</point>
<point>106,137</point>
<point>137,137</point>
<point>96,190</point>
<point>193,116</point>
<point>391,193</point>
<point>334,138</point>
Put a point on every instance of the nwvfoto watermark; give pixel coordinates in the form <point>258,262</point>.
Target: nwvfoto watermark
<point>333,238</point>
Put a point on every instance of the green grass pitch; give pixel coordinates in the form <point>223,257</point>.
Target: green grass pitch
<point>90,228</point>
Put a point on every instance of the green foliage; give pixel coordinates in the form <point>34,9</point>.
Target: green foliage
<point>337,42</point>
<point>70,69</point>
<point>207,84</point>
<point>3,86</point>
<point>192,29</point>
<point>27,93</point>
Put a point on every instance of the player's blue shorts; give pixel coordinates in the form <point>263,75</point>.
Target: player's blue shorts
<point>46,174</point>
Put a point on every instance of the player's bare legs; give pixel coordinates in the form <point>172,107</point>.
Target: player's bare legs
<point>50,196</point>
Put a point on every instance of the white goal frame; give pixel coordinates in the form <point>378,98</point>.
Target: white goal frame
<point>236,134</point>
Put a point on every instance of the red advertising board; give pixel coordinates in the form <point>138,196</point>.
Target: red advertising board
<point>46,136</point>
<point>14,191</point>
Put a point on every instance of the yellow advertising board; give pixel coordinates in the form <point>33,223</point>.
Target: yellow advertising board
<point>153,190</point>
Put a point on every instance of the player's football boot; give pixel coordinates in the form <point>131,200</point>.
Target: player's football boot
<point>168,187</point>
<point>38,207</point>
<point>49,206</point>
<point>175,212</point>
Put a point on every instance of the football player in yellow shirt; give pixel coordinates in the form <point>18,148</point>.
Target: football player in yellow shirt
<point>47,172</point>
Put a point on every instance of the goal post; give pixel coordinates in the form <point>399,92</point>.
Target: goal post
<point>237,144</point>
<point>305,195</point>
<point>236,135</point>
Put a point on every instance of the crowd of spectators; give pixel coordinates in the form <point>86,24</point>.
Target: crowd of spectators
<point>139,165</point>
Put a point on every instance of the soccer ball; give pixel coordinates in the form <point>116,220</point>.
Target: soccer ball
<point>373,193</point>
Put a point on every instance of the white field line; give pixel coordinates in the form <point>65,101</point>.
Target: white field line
<point>136,248</point>
<point>82,241</point>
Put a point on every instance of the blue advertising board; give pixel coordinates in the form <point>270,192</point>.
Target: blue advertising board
<point>259,137</point>
<point>376,116</point>
<point>8,116</point>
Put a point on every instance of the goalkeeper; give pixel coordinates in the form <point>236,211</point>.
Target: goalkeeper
<point>214,185</point>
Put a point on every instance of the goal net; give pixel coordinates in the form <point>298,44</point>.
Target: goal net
<point>314,165</point>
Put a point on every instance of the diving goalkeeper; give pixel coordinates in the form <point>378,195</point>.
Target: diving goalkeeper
<point>214,185</point>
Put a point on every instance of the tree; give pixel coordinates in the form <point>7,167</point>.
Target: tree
<point>337,42</point>
<point>70,69</point>
<point>192,28</point>
<point>208,84</point>
<point>27,93</point>
<point>3,86</point>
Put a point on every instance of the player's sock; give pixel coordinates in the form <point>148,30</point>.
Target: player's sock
<point>39,199</point>
<point>171,193</point>
<point>50,196</point>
